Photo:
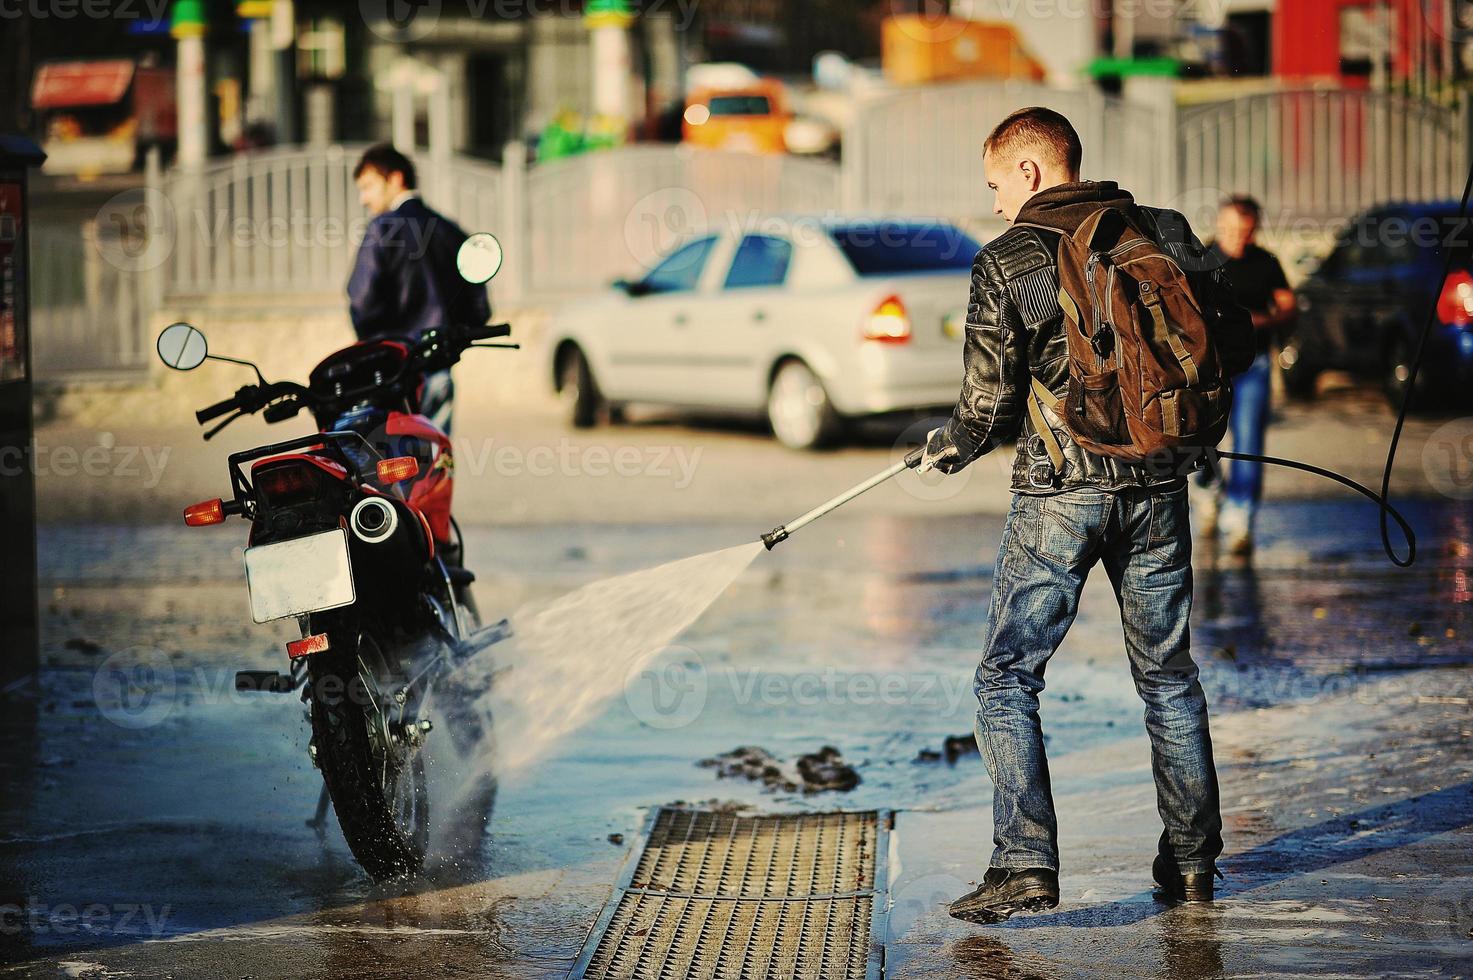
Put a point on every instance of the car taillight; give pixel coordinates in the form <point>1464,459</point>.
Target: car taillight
<point>889,323</point>
<point>1455,305</point>
<point>287,484</point>
<point>205,513</point>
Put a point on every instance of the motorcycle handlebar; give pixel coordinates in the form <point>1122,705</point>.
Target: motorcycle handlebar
<point>215,411</point>
<point>488,332</point>
<point>252,398</point>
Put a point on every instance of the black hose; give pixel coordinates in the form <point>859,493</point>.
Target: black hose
<point>1379,498</point>
<point>1401,415</point>
<point>1382,499</point>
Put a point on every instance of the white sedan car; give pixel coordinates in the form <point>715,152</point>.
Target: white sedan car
<point>813,323</point>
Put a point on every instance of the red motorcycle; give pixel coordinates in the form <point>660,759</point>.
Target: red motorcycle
<point>351,534</point>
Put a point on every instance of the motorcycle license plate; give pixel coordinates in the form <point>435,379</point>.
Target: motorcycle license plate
<point>307,574</point>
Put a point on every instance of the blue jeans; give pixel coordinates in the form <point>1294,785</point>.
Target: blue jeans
<point>1244,484</point>
<point>1049,544</point>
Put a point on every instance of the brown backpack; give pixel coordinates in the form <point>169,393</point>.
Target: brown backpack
<point>1146,378</point>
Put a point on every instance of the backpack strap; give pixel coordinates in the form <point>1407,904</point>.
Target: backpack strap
<point>1038,396</point>
<point>1163,333</point>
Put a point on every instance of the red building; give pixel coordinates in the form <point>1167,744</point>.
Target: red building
<point>1356,41</point>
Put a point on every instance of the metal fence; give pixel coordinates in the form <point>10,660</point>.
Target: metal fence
<point>1321,155</point>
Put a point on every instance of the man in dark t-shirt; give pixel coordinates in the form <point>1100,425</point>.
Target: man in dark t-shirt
<point>1258,284</point>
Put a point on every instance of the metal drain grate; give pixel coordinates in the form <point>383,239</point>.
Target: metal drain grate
<point>717,895</point>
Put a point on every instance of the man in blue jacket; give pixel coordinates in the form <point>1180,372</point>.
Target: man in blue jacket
<point>405,280</point>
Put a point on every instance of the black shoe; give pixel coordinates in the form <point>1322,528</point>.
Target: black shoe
<point>1004,892</point>
<point>1173,886</point>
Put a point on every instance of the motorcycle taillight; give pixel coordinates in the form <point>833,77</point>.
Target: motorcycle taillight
<point>288,483</point>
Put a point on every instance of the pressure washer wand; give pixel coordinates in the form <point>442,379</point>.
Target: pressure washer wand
<point>781,532</point>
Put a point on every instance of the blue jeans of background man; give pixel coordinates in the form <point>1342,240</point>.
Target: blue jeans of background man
<point>1049,544</point>
<point>1243,487</point>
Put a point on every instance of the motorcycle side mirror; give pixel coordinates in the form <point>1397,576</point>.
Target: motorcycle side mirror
<point>182,346</point>
<point>479,258</point>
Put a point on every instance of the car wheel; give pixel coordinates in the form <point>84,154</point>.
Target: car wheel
<point>1300,376</point>
<point>577,391</point>
<point>799,410</point>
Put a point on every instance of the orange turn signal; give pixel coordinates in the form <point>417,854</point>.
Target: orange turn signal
<point>397,469</point>
<point>205,512</point>
<point>316,643</point>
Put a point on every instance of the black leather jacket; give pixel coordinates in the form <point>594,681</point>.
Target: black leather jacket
<point>1015,328</point>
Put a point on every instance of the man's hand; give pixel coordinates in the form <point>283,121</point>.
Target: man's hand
<point>941,454</point>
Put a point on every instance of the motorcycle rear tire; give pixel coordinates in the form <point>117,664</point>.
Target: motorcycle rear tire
<point>341,717</point>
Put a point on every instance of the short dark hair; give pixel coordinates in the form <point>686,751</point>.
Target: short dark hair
<point>384,160</point>
<point>1036,126</point>
<point>1245,205</point>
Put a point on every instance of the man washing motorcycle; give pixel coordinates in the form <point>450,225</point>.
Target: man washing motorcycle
<point>404,279</point>
<point>1099,339</point>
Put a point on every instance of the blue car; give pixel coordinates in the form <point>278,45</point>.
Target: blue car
<point>1363,308</point>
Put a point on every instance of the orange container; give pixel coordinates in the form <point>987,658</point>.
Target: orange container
<point>915,50</point>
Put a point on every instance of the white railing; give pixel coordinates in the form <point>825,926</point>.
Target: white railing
<point>1319,155</point>
<point>288,221</point>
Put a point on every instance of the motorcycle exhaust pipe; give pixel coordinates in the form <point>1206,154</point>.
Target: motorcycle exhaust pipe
<point>374,520</point>
<point>780,533</point>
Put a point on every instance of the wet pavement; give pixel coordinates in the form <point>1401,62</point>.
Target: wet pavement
<point>160,829</point>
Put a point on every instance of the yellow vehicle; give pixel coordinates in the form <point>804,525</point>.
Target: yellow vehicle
<point>751,118</point>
